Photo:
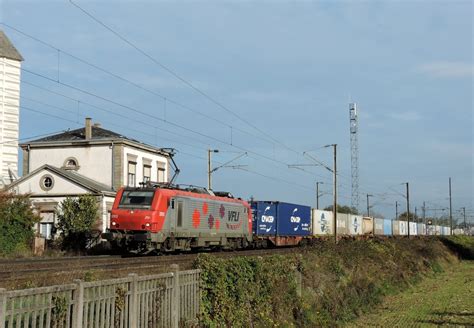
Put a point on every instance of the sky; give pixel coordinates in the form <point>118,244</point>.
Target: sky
<point>273,79</point>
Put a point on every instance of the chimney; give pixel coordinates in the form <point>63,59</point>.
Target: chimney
<point>88,128</point>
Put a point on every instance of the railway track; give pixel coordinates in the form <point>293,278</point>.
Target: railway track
<point>21,272</point>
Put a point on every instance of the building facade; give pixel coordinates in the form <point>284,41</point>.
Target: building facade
<point>90,160</point>
<point>10,68</point>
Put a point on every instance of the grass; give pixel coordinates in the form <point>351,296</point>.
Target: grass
<point>444,299</point>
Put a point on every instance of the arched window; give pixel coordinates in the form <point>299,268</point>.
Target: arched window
<point>71,163</point>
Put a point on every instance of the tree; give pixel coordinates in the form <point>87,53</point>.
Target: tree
<point>76,216</point>
<point>343,209</point>
<point>16,223</point>
<point>413,218</point>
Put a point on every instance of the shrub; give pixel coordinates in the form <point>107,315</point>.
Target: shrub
<point>76,216</point>
<point>16,223</point>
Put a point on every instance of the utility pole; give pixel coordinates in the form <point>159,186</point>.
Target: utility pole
<point>450,210</point>
<point>334,206</point>
<point>396,210</point>
<point>416,214</point>
<point>424,217</point>
<point>317,193</point>
<point>408,208</point>
<point>368,206</point>
<point>464,214</point>
<point>209,167</point>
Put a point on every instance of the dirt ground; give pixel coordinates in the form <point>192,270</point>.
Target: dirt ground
<point>445,299</point>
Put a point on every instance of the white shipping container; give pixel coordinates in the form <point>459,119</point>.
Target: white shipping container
<point>403,228</point>
<point>322,222</point>
<point>378,230</point>
<point>421,229</point>
<point>413,229</point>
<point>437,230</point>
<point>343,224</point>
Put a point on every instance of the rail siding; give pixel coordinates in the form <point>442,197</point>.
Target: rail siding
<point>163,300</point>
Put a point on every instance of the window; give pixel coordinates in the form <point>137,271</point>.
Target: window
<point>71,163</point>
<point>136,199</point>
<point>146,173</point>
<point>161,172</point>
<point>132,174</point>
<point>45,230</point>
<point>47,182</point>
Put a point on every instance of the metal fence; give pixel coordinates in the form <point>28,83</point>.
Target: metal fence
<point>163,300</point>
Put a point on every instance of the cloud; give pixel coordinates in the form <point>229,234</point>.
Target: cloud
<point>406,116</point>
<point>447,69</point>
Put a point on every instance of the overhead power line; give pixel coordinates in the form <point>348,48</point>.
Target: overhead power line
<point>177,76</point>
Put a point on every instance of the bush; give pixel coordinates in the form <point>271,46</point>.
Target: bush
<point>76,216</point>
<point>16,223</point>
<point>339,282</point>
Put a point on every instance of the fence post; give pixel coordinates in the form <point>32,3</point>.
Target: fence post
<point>78,312</point>
<point>175,299</point>
<point>3,307</point>
<point>133,305</point>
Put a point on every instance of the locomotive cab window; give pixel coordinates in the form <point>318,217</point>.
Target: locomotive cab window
<point>180,214</point>
<point>136,199</point>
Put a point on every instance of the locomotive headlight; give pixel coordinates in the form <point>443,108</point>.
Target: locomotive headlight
<point>114,223</point>
<point>147,224</point>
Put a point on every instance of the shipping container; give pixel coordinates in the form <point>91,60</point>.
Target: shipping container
<point>367,226</point>
<point>264,218</point>
<point>396,227</point>
<point>282,219</point>
<point>387,227</point>
<point>421,229</point>
<point>403,228</point>
<point>322,222</point>
<point>355,224</point>
<point>446,231</point>
<point>437,230</point>
<point>343,224</point>
<point>413,229</point>
<point>378,230</point>
<point>430,230</point>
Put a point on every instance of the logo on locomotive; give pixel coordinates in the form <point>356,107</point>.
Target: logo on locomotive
<point>233,220</point>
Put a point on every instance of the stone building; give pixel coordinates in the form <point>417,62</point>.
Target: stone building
<point>90,160</point>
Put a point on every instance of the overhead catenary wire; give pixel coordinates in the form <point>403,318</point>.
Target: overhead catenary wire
<point>177,76</point>
<point>135,84</point>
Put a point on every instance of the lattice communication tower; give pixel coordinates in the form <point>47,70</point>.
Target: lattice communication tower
<point>354,127</point>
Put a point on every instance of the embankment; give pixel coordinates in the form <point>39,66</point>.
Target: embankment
<point>322,285</point>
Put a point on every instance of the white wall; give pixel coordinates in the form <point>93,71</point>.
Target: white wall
<point>140,155</point>
<point>61,186</point>
<point>9,117</point>
<point>95,162</point>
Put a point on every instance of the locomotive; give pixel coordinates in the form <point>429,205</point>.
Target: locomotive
<point>167,218</point>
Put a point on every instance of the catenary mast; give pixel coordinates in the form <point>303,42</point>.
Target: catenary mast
<point>354,155</point>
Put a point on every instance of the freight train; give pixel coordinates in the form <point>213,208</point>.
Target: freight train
<point>165,218</point>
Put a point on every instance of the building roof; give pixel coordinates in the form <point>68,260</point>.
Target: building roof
<point>7,50</point>
<point>98,134</point>
<point>79,179</point>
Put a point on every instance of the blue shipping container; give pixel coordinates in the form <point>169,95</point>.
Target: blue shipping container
<point>264,218</point>
<point>387,227</point>
<point>281,219</point>
<point>293,220</point>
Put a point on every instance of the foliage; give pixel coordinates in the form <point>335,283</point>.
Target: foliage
<point>413,217</point>
<point>343,209</point>
<point>339,282</point>
<point>248,291</point>
<point>76,216</point>
<point>16,223</point>
<point>462,245</point>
